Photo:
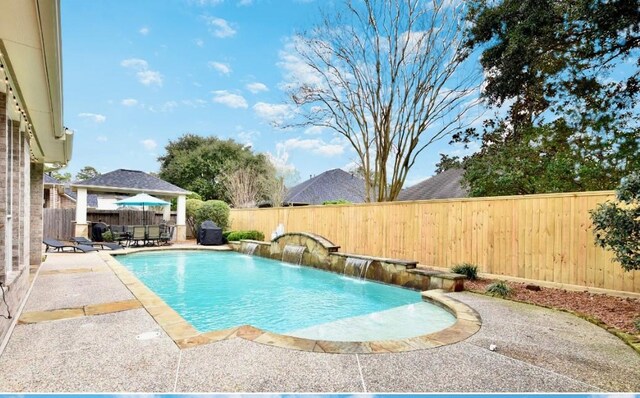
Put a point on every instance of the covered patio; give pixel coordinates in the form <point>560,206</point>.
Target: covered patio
<point>121,183</point>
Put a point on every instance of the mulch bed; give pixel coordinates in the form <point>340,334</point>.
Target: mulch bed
<point>616,312</point>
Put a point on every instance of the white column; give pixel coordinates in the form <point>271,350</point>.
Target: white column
<point>166,213</point>
<point>81,213</point>
<point>181,218</point>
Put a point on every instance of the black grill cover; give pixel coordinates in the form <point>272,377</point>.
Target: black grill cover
<point>97,229</point>
<point>209,234</point>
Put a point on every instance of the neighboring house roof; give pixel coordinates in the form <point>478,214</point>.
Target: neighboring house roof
<point>48,180</point>
<point>123,180</point>
<point>92,198</point>
<point>331,185</point>
<point>445,185</point>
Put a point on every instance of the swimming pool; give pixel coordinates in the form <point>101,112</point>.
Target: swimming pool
<point>219,290</point>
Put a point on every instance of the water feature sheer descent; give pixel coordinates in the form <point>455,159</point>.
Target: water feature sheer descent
<point>359,265</point>
<point>249,248</point>
<point>293,254</point>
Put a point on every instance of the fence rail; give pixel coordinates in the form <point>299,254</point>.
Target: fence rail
<point>60,223</point>
<point>541,237</point>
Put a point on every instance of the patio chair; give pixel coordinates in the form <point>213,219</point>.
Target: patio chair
<point>138,235</point>
<point>153,234</point>
<point>81,240</point>
<point>166,233</point>
<point>59,246</point>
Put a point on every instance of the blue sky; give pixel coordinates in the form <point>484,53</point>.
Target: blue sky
<point>140,73</point>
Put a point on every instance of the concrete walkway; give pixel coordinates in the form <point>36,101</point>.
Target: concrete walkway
<point>539,350</point>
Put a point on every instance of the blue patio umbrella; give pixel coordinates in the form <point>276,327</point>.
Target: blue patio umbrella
<point>142,199</point>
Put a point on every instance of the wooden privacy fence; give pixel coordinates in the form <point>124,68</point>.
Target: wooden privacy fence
<point>60,223</point>
<point>541,237</point>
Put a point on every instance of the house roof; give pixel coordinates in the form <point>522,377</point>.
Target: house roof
<point>445,185</point>
<point>48,180</point>
<point>331,185</point>
<point>92,199</point>
<point>130,181</point>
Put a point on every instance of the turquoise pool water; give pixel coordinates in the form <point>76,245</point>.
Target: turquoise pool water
<point>219,290</point>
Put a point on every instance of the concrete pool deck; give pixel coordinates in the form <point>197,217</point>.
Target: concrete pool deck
<point>111,344</point>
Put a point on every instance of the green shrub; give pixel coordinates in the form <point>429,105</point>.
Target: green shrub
<point>107,236</point>
<point>636,323</point>
<point>617,224</point>
<point>225,234</point>
<point>239,235</point>
<point>336,202</point>
<point>466,269</point>
<point>214,210</point>
<point>499,288</point>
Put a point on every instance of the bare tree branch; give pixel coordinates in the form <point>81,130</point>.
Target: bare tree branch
<point>392,77</point>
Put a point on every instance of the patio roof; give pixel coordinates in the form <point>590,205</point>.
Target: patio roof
<point>130,181</point>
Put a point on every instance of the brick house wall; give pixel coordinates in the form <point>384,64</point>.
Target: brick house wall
<point>21,193</point>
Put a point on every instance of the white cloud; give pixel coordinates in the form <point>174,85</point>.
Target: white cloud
<point>95,117</point>
<point>295,70</point>
<point>281,161</point>
<point>149,77</point>
<point>144,31</point>
<point>257,87</point>
<point>220,27</point>
<point>168,106</point>
<point>145,75</point>
<point>199,42</point>
<point>135,63</point>
<point>129,102</point>
<point>275,113</point>
<point>223,69</point>
<point>205,3</point>
<point>229,99</point>
<point>149,144</point>
<point>196,103</point>
<point>314,130</point>
<point>247,137</point>
<point>102,138</point>
<point>316,146</point>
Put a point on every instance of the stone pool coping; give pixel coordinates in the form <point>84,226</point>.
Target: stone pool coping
<point>184,335</point>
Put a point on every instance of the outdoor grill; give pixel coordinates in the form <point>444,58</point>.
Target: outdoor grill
<point>209,234</point>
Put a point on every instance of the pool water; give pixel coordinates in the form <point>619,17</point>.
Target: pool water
<point>219,290</point>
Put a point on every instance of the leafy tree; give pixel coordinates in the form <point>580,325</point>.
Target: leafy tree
<point>86,173</point>
<point>447,162</point>
<point>572,122</point>
<point>199,163</point>
<point>57,173</point>
<point>559,55</point>
<point>214,210</point>
<point>548,158</point>
<point>390,77</point>
<point>617,225</point>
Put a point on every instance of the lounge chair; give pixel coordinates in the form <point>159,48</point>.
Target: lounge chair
<point>59,246</point>
<point>81,240</point>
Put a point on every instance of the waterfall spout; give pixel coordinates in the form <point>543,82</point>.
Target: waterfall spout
<point>249,247</point>
<point>293,254</point>
<point>359,266</point>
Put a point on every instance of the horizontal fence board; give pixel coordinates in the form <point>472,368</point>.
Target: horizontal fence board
<point>542,237</point>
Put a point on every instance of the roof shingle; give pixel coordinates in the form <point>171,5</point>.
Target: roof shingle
<point>333,184</point>
<point>130,179</point>
<point>445,185</point>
